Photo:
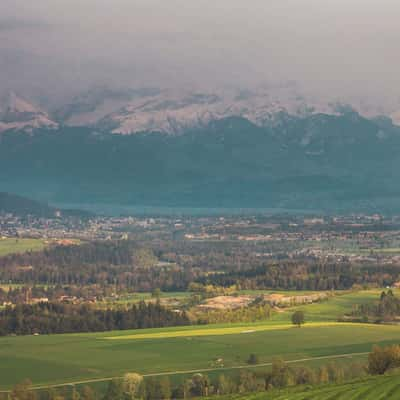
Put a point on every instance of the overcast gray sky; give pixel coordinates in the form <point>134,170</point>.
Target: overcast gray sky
<point>61,46</point>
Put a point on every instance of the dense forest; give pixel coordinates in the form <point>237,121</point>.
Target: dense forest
<point>121,263</point>
<point>306,275</point>
<point>45,318</point>
<point>173,266</point>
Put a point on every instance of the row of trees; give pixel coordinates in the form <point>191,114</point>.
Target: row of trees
<point>306,275</point>
<point>50,317</point>
<point>386,309</point>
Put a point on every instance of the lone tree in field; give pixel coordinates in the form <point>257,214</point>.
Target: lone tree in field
<point>298,318</point>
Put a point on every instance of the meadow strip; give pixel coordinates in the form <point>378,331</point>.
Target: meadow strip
<point>222,331</point>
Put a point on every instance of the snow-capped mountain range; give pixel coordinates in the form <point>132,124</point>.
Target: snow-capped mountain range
<point>20,115</point>
<point>130,111</point>
<point>174,112</point>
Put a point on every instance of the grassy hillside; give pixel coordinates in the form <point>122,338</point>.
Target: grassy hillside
<point>371,388</point>
<point>74,357</point>
<point>329,310</point>
<point>340,303</point>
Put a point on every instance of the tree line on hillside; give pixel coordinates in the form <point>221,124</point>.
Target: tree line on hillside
<point>303,275</point>
<point>47,317</point>
<point>386,309</point>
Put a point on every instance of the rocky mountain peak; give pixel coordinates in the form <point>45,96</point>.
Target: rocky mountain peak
<point>18,114</point>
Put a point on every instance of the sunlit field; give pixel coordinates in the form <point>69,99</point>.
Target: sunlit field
<point>11,245</point>
<point>75,357</point>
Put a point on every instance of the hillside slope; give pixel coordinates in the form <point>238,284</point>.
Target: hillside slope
<point>22,206</point>
<point>372,388</point>
<point>18,205</point>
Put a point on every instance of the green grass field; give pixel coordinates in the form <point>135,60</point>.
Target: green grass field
<point>74,357</point>
<point>371,388</point>
<point>11,245</point>
<point>337,305</point>
<point>383,250</point>
<point>211,330</point>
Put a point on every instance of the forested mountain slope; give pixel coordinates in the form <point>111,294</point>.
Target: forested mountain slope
<point>324,162</point>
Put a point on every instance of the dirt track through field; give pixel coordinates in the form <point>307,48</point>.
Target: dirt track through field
<point>193,371</point>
